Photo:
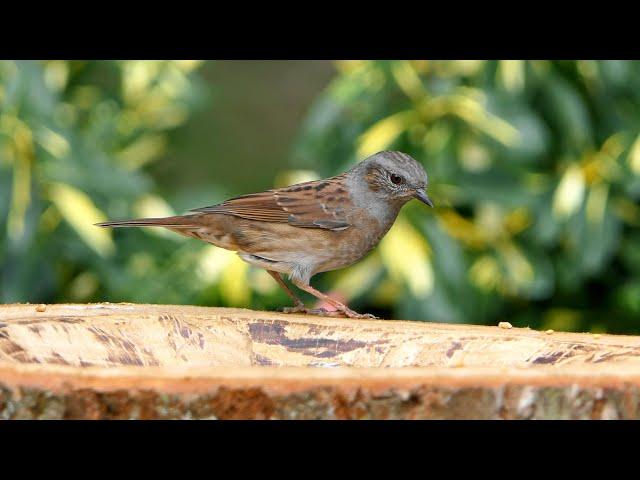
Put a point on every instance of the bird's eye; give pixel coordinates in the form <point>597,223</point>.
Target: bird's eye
<point>396,179</point>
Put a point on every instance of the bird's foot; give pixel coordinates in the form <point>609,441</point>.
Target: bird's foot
<point>351,314</point>
<point>312,311</point>
<point>342,311</point>
<point>323,312</point>
<point>347,312</point>
<point>297,308</point>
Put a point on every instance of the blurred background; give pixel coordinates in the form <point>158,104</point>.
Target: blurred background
<point>534,167</point>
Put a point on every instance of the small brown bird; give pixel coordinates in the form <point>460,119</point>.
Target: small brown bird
<point>309,227</point>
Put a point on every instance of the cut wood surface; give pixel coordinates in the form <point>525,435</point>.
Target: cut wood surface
<point>161,361</point>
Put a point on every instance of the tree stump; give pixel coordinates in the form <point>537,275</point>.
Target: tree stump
<point>124,361</point>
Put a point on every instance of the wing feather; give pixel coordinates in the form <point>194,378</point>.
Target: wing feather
<point>318,204</point>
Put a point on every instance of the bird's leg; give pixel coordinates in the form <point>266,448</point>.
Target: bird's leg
<point>340,307</point>
<point>298,306</point>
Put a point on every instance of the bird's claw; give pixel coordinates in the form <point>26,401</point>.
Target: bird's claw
<point>298,308</point>
<point>370,316</point>
<point>312,311</point>
<point>322,312</point>
<point>351,314</point>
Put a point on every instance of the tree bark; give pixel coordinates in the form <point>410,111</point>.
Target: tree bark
<point>156,361</point>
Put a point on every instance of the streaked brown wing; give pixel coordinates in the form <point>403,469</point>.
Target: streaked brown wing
<point>318,204</point>
<point>254,206</point>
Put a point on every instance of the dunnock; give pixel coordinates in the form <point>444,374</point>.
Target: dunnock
<point>310,227</point>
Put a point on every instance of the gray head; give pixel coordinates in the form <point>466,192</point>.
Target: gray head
<point>395,176</point>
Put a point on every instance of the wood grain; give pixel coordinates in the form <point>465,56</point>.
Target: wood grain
<point>161,361</point>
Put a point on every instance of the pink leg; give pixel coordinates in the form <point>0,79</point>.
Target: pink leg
<point>341,307</point>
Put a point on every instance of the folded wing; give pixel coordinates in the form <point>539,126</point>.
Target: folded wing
<point>318,204</point>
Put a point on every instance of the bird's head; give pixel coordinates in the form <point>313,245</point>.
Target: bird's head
<point>396,176</point>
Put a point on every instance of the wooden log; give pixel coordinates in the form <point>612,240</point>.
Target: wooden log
<point>158,361</point>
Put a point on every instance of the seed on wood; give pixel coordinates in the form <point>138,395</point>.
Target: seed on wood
<point>41,308</point>
<point>549,332</point>
<point>505,325</point>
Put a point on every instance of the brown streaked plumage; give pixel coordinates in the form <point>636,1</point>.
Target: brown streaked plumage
<point>310,227</point>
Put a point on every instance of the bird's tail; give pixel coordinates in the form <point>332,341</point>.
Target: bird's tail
<point>179,221</point>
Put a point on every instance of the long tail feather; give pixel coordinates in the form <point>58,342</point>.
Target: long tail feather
<point>167,222</point>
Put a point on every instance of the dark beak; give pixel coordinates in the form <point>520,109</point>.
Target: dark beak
<point>423,197</point>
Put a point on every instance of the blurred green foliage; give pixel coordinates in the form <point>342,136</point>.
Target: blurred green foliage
<point>534,168</point>
<point>74,140</point>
